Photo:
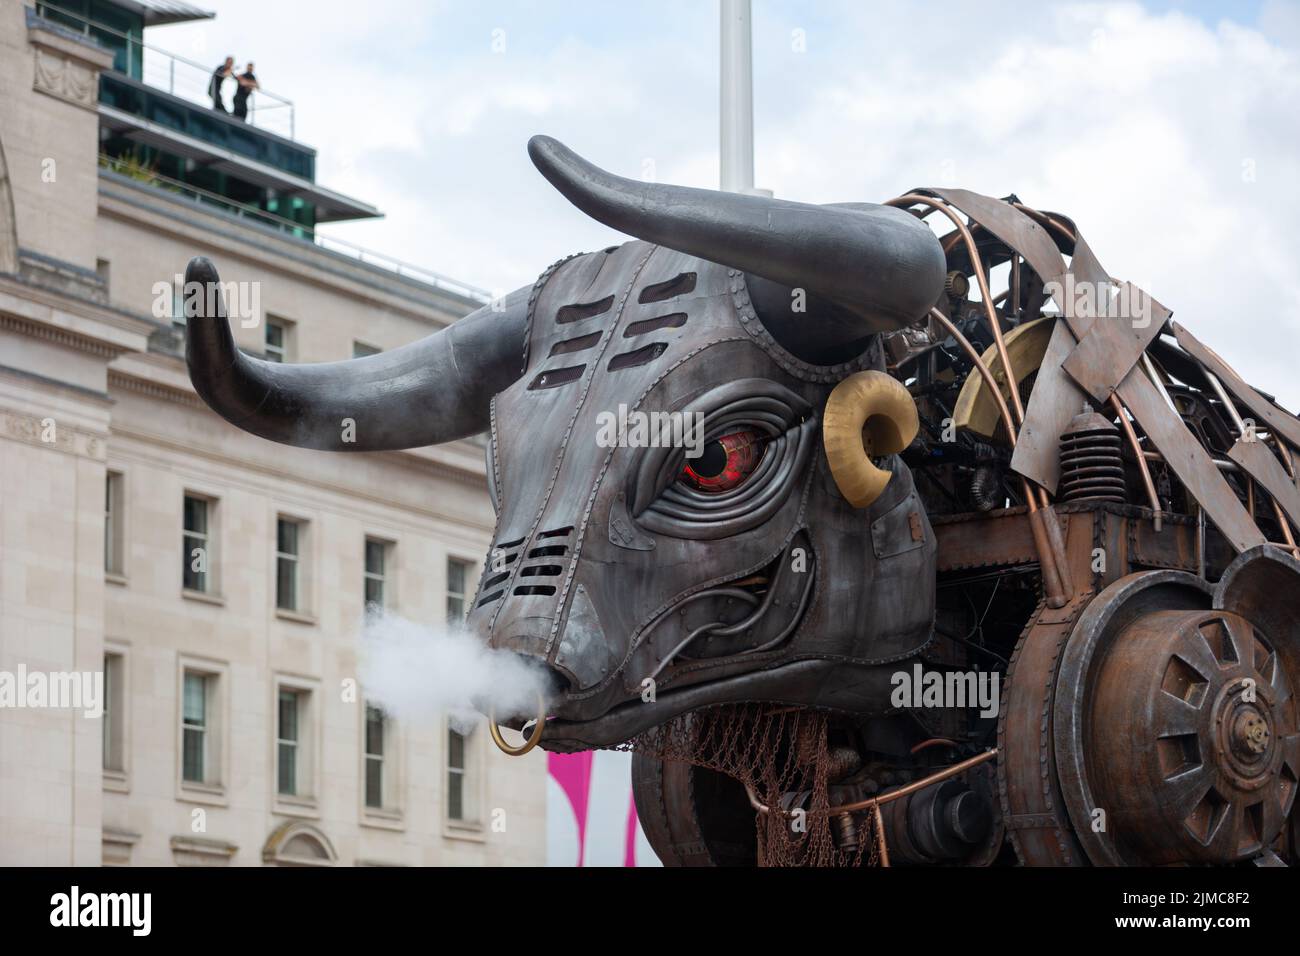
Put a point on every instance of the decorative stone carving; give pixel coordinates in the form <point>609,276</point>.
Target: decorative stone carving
<point>67,65</point>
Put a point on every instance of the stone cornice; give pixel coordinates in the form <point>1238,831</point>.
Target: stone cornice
<point>37,330</point>
<point>153,389</point>
<point>32,308</point>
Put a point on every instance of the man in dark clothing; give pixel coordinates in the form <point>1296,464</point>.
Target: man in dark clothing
<point>247,83</point>
<point>218,77</point>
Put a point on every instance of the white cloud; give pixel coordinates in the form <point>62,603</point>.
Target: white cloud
<point>1145,127</point>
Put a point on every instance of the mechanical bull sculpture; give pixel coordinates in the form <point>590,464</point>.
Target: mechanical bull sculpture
<point>895,474</point>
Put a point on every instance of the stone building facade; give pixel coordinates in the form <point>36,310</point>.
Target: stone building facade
<point>230,735</point>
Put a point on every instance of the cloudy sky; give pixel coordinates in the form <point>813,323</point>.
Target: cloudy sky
<point>1168,130</point>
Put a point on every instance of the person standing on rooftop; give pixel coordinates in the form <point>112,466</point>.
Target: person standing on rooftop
<point>247,83</point>
<point>219,76</point>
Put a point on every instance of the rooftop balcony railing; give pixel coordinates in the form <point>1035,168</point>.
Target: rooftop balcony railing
<point>175,74</point>
<point>293,230</point>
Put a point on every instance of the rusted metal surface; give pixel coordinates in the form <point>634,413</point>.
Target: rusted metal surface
<point>1012,226</point>
<point>1174,546</point>
<point>1114,344</point>
<point>1189,461</point>
<point>1285,425</point>
<point>1032,806</point>
<point>1068,737</point>
<point>1211,774</point>
<point>1054,401</point>
<point>999,539</point>
<point>1255,458</point>
<point>1143,467</point>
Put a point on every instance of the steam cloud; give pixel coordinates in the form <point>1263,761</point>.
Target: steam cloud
<point>419,673</point>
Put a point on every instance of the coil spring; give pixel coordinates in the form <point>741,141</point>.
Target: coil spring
<point>1092,465</point>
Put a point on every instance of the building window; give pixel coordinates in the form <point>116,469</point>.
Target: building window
<point>288,541</point>
<point>289,741</point>
<point>376,728</point>
<point>455,775</point>
<point>277,340</point>
<point>197,543</point>
<point>114,717</point>
<point>361,350</point>
<point>378,558</point>
<point>196,727</point>
<point>456,575</point>
<point>113,523</point>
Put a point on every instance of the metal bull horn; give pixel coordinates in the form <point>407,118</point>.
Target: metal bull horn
<point>880,266</point>
<point>430,391</point>
<point>869,414</point>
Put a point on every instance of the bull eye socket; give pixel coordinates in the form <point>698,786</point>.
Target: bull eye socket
<point>726,461</point>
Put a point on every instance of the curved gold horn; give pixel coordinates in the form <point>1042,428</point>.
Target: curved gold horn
<point>869,414</point>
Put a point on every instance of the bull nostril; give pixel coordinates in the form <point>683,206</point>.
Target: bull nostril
<point>533,676</point>
<point>547,686</point>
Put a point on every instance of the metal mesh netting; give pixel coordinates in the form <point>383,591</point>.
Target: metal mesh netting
<point>782,758</point>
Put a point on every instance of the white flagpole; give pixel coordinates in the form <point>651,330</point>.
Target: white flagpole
<point>736,109</point>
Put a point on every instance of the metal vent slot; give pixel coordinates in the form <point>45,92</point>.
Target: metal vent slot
<point>549,551</point>
<point>557,377</point>
<point>493,581</point>
<point>583,310</point>
<point>539,589</point>
<point>541,570</point>
<point>679,284</point>
<point>639,357</point>
<point>488,599</point>
<point>674,320</point>
<point>556,532</point>
<point>510,544</point>
<point>579,344</point>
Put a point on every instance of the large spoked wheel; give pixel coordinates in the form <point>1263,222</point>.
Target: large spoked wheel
<point>1175,728</point>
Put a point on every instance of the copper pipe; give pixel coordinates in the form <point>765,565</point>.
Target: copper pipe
<point>1286,527</point>
<point>892,795</point>
<point>875,803</point>
<point>1220,463</point>
<point>912,199</point>
<point>1050,561</point>
<point>995,326</point>
<point>1127,426</point>
<point>932,742</point>
<point>1285,454</point>
<point>916,784</point>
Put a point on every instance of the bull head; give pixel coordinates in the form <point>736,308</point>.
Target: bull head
<point>669,533</point>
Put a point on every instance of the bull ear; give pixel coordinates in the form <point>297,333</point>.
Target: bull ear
<point>868,415</point>
<point>881,266</point>
<point>430,391</point>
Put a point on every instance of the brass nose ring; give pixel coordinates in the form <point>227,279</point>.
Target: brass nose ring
<point>533,739</point>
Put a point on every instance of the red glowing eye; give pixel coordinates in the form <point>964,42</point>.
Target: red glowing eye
<point>726,461</point>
